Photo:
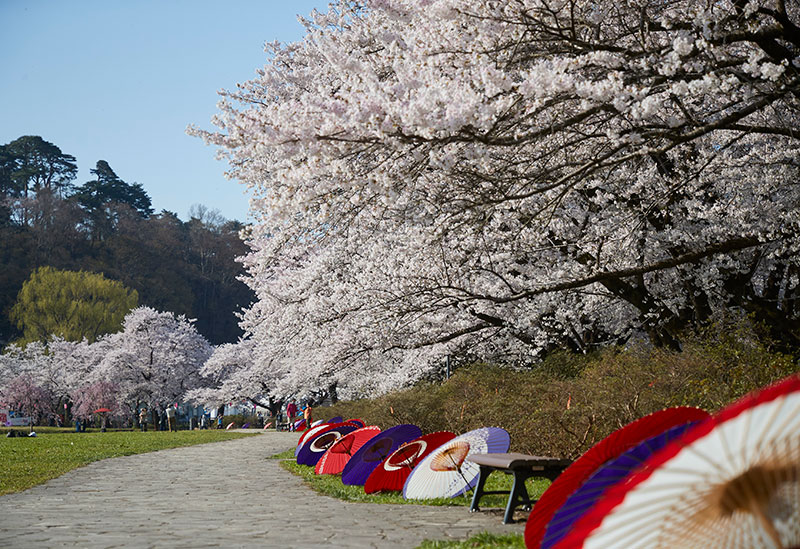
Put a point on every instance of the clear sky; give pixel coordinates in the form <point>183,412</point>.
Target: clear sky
<point>120,80</point>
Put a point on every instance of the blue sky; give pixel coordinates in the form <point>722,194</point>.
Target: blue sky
<point>120,80</point>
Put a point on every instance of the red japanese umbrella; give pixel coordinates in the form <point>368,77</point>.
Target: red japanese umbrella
<point>732,481</point>
<point>445,473</point>
<point>359,422</point>
<point>371,454</point>
<point>337,456</point>
<point>392,473</point>
<point>101,411</point>
<point>607,449</point>
<point>607,476</point>
<point>316,446</point>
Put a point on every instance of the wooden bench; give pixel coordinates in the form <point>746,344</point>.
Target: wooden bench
<point>523,467</point>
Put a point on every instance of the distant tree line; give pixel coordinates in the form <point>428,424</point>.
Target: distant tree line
<point>108,226</point>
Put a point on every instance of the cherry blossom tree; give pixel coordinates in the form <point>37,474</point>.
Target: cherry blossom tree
<point>96,396</point>
<point>59,367</point>
<point>24,395</point>
<point>496,179</point>
<point>230,376</point>
<point>155,359</point>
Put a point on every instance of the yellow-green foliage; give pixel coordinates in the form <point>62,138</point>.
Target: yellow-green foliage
<point>70,304</point>
<point>569,402</point>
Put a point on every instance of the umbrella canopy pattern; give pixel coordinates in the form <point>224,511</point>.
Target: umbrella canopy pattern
<point>337,456</point>
<point>391,475</point>
<point>607,449</point>
<point>359,422</point>
<point>445,471</point>
<point>316,446</point>
<point>732,481</point>
<point>315,431</point>
<point>603,479</point>
<point>369,456</point>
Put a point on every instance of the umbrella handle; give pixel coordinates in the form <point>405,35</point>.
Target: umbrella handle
<point>767,524</point>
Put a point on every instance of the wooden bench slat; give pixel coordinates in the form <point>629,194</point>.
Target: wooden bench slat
<point>515,460</point>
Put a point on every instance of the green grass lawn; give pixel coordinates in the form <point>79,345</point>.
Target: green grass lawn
<point>484,540</point>
<point>29,461</point>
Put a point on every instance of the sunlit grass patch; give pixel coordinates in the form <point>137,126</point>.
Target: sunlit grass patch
<point>29,461</point>
<point>483,540</point>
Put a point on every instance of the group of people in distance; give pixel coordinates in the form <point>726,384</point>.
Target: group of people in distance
<point>168,414</point>
<point>293,414</point>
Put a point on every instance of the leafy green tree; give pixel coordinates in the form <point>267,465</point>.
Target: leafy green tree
<point>72,305</point>
<point>107,199</point>
<point>109,188</point>
<point>31,164</point>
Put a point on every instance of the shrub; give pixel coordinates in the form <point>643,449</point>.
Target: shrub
<point>569,402</point>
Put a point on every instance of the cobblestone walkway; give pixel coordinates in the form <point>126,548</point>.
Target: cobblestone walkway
<point>226,494</point>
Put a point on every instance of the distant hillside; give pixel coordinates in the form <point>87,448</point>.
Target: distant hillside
<point>108,226</point>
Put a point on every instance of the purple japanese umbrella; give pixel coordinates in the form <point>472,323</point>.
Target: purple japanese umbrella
<point>315,446</point>
<point>369,456</point>
<point>605,477</point>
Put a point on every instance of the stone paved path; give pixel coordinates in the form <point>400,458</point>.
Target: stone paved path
<point>226,494</point>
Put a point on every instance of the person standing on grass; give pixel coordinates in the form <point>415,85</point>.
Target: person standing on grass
<point>308,416</point>
<point>143,419</point>
<point>170,417</point>
<point>291,411</point>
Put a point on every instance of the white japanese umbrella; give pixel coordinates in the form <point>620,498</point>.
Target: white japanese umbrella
<point>446,473</point>
<point>733,481</point>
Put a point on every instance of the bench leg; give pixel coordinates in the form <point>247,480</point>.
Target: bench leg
<point>519,495</point>
<point>478,493</point>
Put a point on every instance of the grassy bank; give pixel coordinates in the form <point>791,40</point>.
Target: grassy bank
<point>484,540</point>
<point>28,461</point>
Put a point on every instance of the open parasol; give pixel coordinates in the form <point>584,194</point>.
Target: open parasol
<point>316,446</point>
<point>445,473</point>
<point>732,481</point>
<point>101,411</point>
<point>337,456</point>
<point>359,422</point>
<point>607,449</point>
<point>317,430</point>
<point>606,476</point>
<point>369,456</point>
<point>392,473</point>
